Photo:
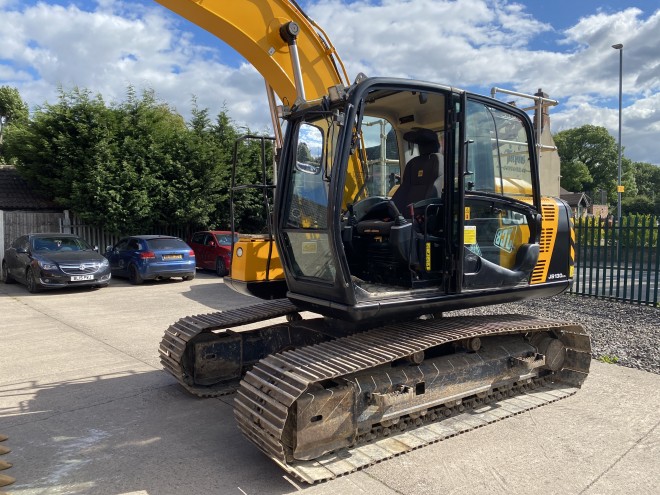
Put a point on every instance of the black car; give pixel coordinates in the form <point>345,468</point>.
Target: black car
<point>54,261</point>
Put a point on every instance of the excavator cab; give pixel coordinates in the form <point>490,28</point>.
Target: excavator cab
<point>462,219</point>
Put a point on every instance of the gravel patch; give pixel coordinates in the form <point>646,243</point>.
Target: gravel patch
<point>626,333</point>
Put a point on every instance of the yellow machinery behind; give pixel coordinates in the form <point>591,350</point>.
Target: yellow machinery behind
<point>395,200</point>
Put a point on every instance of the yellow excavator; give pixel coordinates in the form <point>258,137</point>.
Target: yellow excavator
<point>395,200</point>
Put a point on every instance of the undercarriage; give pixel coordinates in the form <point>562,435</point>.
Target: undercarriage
<point>322,405</point>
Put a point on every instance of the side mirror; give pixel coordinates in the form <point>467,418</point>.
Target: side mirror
<point>212,243</point>
<point>108,249</point>
<point>96,248</point>
<point>526,257</point>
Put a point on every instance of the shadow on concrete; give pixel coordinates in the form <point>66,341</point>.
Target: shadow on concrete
<point>130,432</point>
<point>217,295</point>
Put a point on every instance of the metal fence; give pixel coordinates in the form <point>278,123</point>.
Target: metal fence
<point>613,260</point>
<point>618,260</point>
<point>98,237</point>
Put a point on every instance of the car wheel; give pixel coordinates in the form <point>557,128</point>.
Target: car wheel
<point>220,268</point>
<point>6,278</point>
<point>31,281</point>
<point>186,278</point>
<point>134,276</point>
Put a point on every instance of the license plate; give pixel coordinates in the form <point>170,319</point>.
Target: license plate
<point>79,278</point>
<point>172,256</point>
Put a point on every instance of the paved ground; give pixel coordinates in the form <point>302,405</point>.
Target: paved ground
<point>89,410</point>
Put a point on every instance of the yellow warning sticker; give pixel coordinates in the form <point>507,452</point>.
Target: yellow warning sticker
<point>428,256</point>
<point>470,234</point>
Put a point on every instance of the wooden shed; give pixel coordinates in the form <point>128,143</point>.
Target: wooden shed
<point>23,210</point>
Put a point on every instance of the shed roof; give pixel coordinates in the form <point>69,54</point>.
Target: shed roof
<point>16,193</point>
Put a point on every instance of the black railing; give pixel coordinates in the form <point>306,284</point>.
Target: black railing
<point>618,260</point>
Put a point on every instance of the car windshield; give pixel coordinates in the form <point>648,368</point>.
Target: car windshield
<point>225,239</point>
<point>165,244</point>
<point>59,244</point>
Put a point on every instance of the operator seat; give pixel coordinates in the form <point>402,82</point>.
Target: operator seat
<point>424,174</point>
<point>393,220</point>
<point>422,179</point>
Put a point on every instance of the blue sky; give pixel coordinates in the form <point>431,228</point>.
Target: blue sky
<point>561,46</point>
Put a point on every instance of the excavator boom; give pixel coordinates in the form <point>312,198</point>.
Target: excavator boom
<point>252,28</point>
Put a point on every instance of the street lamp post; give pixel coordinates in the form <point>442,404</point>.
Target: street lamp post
<point>619,188</point>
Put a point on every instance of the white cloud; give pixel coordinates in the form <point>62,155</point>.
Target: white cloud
<point>481,43</point>
<point>117,45</point>
<point>464,43</point>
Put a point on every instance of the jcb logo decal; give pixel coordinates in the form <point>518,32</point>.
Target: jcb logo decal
<point>504,238</point>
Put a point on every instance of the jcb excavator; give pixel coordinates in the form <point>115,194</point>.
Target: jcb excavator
<point>395,201</point>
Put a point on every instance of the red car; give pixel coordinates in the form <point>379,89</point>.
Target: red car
<point>213,250</point>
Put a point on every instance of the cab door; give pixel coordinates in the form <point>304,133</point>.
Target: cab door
<point>501,221</point>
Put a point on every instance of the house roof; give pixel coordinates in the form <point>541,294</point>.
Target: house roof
<point>576,199</point>
<point>16,193</point>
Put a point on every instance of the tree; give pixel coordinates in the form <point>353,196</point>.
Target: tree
<point>64,146</point>
<point>138,166</point>
<point>303,154</point>
<point>575,175</point>
<point>638,205</point>
<point>628,181</point>
<point>13,110</point>
<point>647,178</point>
<point>594,147</point>
<point>248,203</point>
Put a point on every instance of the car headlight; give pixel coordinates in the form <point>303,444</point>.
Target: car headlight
<point>47,265</point>
<point>105,263</point>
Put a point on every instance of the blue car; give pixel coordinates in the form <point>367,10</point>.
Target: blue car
<point>151,257</point>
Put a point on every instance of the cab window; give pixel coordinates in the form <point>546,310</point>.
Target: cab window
<point>309,192</point>
<point>306,215</point>
<point>498,153</point>
<point>383,168</point>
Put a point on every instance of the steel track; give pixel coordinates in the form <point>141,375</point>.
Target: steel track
<point>267,396</point>
<point>180,336</point>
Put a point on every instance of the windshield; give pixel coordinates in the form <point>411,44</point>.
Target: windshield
<point>225,239</point>
<point>162,244</point>
<point>400,131</point>
<point>57,243</point>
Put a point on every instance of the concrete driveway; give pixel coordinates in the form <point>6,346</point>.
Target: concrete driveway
<point>88,410</point>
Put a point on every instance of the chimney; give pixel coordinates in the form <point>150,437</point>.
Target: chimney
<point>545,116</point>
